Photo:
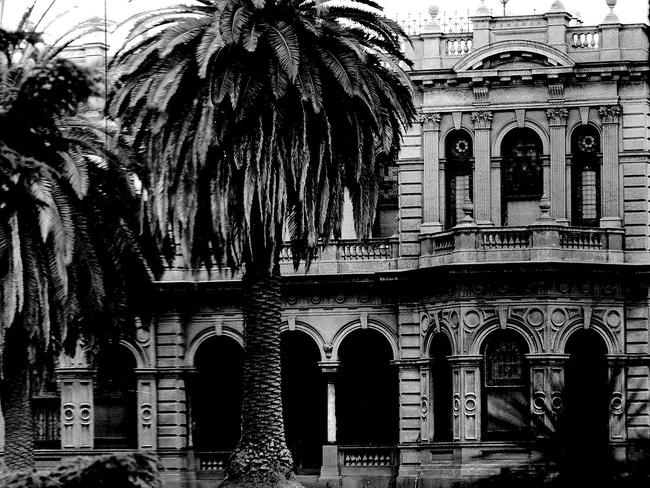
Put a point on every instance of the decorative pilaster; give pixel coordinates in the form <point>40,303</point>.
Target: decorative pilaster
<point>466,410</point>
<point>610,203</point>
<point>430,148</point>
<point>146,398</point>
<point>77,408</point>
<point>482,152</point>
<point>616,380</point>
<point>426,430</point>
<point>546,388</point>
<point>557,121</point>
<point>77,405</point>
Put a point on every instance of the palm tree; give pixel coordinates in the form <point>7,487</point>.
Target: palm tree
<point>253,114</point>
<point>71,266</point>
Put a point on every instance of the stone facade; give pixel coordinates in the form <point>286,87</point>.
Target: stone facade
<point>518,264</point>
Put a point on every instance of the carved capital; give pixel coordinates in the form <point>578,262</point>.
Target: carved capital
<point>429,121</point>
<point>610,114</point>
<point>482,120</point>
<point>557,116</point>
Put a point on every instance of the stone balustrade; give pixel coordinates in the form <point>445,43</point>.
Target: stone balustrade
<point>211,461</point>
<point>366,456</point>
<point>538,242</point>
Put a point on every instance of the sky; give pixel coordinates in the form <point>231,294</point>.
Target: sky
<point>591,11</point>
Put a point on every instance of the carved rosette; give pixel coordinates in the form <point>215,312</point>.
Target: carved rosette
<point>429,121</point>
<point>610,114</point>
<point>557,116</point>
<point>482,120</point>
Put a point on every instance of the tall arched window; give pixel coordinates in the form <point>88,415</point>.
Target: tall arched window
<point>442,390</point>
<point>458,174</point>
<point>506,403</point>
<point>522,178</point>
<point>116,403</point>
<point>585,176</point>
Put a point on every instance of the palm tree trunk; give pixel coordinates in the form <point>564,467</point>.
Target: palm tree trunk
<point>262,457</point>
<point>19,424</point>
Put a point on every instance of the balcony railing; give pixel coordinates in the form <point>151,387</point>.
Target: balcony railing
<point>538,242</point>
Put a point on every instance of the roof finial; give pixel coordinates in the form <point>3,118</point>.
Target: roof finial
<point>611,18</point>
<point>482,9</point>
<point>433,25</point>
<point>557,6</point>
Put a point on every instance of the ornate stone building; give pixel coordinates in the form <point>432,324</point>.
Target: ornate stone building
<point>508,288</point>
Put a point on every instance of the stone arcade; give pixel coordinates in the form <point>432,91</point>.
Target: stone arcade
<point>511,256</point>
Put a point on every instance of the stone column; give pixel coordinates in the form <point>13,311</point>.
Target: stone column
<point>430,150</point>
<point>77,408</point>
<point>329,469</point>
<point>482,185</point>
<point>557,120</point>
<point>611,213</point>
<point>616,380</point>
<point>146,398</point>
<point>546,391</point>
<point>466,410</point>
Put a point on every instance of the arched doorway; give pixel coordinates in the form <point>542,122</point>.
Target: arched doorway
<point>304,400</point>
<point>115,399</point>
<point>522,178</point>
<point>441,387</point>
<point>367,393</point>
<point>585,422</point>
<point>506,387</point>
<point>216,394</point>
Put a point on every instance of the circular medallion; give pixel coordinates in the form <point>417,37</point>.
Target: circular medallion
<point>291,300</point>
<point>613,319</point>
<point>535,317</point>
<point>470,404</point>
<point>616,404</point>
<point>472,319</point>
<point>340,298</point>
<point>68,413</point>
<point>558,317</point>
<point>142,335</point>
<point>315,299</point>
<point>556,402</point>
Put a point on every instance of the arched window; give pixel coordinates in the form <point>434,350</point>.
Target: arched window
<point>585,176</point>
<point>304,401</point>
<point>116,403</point>
<point>458,174</point>
<point>367,392</point>
<point>506,404</point>
<point>522,179</point>
<point>441,387</point>
<point>216,394</point>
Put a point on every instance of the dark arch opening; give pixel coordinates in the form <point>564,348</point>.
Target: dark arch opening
<point>585,422</point>
<point>459,184</point>
<point>506,391</point>
<point>115,399</point>
<point>441,387</point>
<point>304,400</point>
<point>522,179</point>
<point>216,394</point>
<point>367,392</point>
<point>585,176</point>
